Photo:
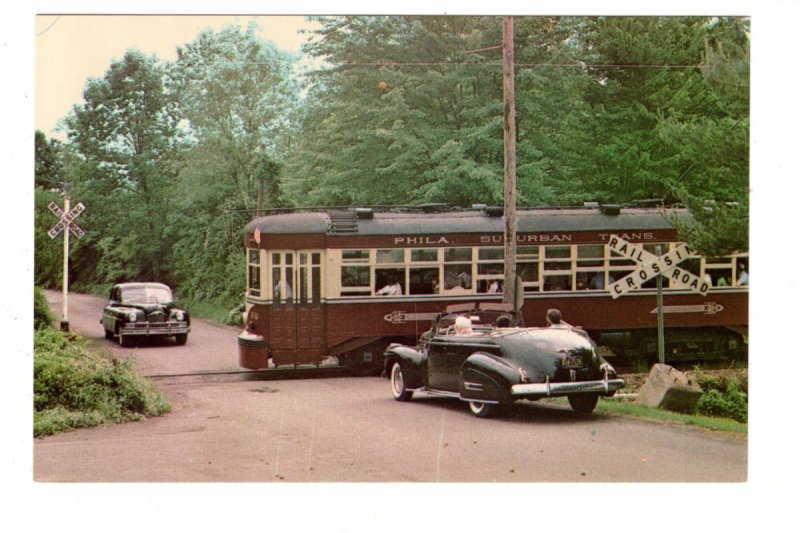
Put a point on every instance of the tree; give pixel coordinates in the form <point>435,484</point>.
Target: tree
<point>237,94</point>
<point>670,116</point>
<point>125,139</point>
<point>48,167</point>
<point>238,97</point>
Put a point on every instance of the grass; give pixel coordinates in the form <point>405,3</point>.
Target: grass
<point>626,408</point>
<point>79,385</point>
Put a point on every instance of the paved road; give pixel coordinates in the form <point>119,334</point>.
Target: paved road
<point>350,429</point>
<point>210,347</point>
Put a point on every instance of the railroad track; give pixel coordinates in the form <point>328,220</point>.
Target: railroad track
<point>235,376</point>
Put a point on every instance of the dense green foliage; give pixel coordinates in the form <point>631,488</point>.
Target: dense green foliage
<point>76,387</point>
<point>42,317</point>
<point>725,397</point>
<point>171,158</point>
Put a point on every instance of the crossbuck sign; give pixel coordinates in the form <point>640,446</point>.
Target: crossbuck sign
<point>66,220</point>
<point>651,265</point>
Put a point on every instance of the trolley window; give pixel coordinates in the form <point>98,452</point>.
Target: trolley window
<point>528,267</point>
<point>719,271</point>
<point>355,274</point>
<point>310,288</point>
<point>458,269</point>
<point>557,268</point>
<point>283,277</point>
<point>490,270</point>
<point>253,272</point>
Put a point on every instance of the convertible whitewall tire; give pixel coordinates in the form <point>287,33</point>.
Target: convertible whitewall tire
<point>483,409</point>
<point>399,391</point>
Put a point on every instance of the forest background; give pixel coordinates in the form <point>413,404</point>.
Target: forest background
<point>171,158</point>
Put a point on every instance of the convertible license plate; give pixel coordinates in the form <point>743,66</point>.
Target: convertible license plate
<point>572,361</point>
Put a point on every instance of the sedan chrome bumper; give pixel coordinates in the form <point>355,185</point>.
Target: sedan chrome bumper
<point>570,387</point>
<point>161,328</point>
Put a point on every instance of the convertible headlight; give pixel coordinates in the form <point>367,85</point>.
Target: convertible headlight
<point>179,316</point>
<point>132,316</point>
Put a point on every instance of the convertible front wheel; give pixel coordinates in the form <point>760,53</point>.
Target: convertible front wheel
<point>399,391</point>
<point>583,403</point>
<point>483,409</point>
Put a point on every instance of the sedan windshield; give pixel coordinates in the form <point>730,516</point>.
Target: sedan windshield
<point>146,295</point>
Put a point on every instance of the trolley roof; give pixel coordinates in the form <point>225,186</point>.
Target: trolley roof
<point>367,222</point>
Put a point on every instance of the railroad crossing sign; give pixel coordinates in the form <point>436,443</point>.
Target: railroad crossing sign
<point>66,220</point>
<point>651,265</point>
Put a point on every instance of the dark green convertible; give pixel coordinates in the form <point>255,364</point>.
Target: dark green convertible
<point>490,367</point>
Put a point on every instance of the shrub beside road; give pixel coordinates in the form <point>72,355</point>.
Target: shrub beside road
<point>75,385</point>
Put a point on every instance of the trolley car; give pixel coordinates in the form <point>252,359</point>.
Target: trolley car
<point>345,283</point>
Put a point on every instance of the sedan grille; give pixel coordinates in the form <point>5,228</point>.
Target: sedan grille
<point>156,317</point>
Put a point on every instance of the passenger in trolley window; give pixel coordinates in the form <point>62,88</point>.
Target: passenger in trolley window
<point>554,319</point>
<point>494,287</point>
<point>597,282</point>
<point>286,289</point>
<point>392,288</point>
<point>744,278</point>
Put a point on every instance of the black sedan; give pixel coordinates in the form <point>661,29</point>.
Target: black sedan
<point>138,310</point>
<point>466,355</point>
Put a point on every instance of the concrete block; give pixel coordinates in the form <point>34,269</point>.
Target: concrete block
<point>670,389</point>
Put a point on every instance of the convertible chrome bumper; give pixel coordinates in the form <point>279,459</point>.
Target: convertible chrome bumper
<point>163,328</point>
<point>570,387</point>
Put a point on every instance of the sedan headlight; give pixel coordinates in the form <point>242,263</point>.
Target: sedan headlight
<point>132,316</point>
<point>179,316</point>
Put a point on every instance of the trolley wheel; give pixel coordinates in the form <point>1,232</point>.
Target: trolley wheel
<point>399,391</point>
<point>483,409</point>
<point>583,403</point>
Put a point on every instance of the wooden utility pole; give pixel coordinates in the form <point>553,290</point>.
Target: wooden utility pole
<point>510,163</point>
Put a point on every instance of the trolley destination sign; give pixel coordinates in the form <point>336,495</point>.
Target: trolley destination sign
<point>651,265</point>
<point>66,220</point>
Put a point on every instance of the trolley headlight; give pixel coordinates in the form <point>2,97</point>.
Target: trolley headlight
<point>132,316</point>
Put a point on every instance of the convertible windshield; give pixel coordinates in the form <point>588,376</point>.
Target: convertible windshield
<point>146,295</point>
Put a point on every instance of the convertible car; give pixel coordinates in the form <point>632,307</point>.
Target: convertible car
<point>482,356</point>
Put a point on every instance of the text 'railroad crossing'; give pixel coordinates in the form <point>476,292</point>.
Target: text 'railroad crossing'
<point>66,220</point>
<point>651,265</point>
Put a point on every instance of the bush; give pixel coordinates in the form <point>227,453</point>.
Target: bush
<point>42,317</point>
<point>723,399</point>
<point>75,387</point>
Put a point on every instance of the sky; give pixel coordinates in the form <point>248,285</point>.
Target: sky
<point>72,48</point>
